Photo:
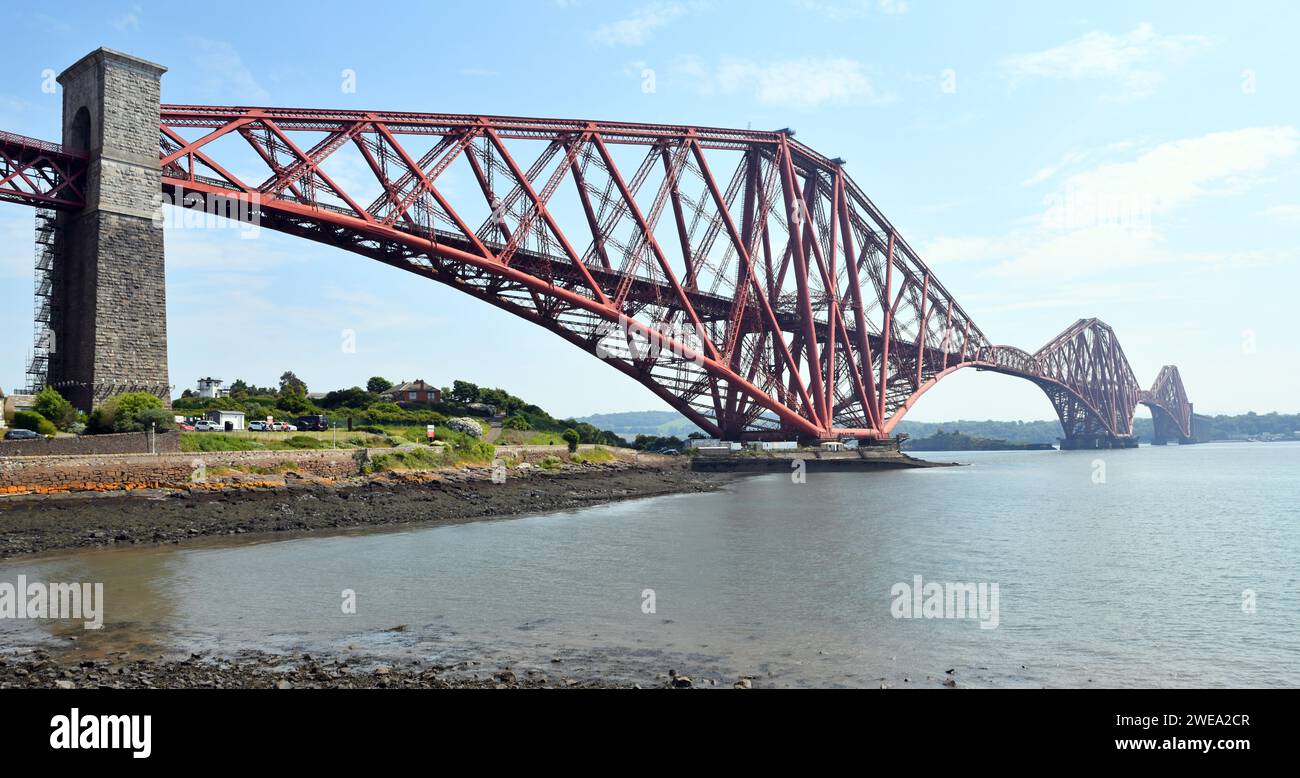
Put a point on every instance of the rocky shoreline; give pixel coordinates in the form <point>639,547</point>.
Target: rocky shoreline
<point>42,669</point>
<point>47,523</point>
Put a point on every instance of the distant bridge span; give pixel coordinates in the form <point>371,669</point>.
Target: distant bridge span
<point>741,276</point>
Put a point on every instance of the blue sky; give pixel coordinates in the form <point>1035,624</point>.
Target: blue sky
<point>1137,162</point>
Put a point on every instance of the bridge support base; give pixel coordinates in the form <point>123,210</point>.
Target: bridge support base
<point>1103,441</point>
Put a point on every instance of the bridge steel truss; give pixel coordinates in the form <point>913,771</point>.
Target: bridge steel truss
<point>40,173</point>
<point>742,277</point>
<point>1171,411</point>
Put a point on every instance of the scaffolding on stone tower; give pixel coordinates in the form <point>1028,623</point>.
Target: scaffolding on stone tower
<point>43,345</point>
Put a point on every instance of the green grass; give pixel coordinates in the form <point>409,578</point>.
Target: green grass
<point>545,439</point>
<point>425,458</point>
<point>277,441</point>
<point>216,441</point>
<point>593,456</point>
<point>550,463</point>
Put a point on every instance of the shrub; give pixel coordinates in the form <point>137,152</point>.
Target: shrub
<point>572,437</point>
<point>154,418</point>
<point>50,404</point>
<point>550,463</point>
<point>371,429</point>
<point>517,423</point>
<point>31,420</point>
<point>465,425</point>
<point>127,413</point>
<point>305,441</point>
<point>406,459</point>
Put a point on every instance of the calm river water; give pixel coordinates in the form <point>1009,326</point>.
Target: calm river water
<point>1121,568</point>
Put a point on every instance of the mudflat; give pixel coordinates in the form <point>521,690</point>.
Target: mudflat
<point>46,523</point>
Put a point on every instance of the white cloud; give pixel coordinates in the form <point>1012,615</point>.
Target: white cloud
<point>1050,171</point>
<point>224,73</point>
<point>1135,61</point>
<point>795,83</point>
<point>852,9</point>
<point>638,28</point>
<point>1101,219</point>
<point>1173,174</point>
<point>128,21</point>
<point>1288,213</point>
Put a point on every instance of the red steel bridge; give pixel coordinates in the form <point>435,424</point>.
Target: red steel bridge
<point>741,276</point>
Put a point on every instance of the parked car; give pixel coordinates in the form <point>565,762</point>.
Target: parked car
<point>185,426</point>
<point>672,452</point>
<point>315,423</point>
<point>282,426</point>
<point>258,426</point>
<point>206,425</point>
<point>20,434</point>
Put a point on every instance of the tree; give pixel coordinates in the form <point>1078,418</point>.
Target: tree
<point>355,397</point>
<point>572,438</point>
<point>31,420</point>
<point>154,418</point>
<point>130,412</point>
<point>463,392</point>
<point>517,423</point>
<point>293,402</point>
<point>378,385</point>
<point>50,404</point>
<point>291,384</point>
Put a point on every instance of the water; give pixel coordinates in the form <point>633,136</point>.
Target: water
<point>1134,581</point>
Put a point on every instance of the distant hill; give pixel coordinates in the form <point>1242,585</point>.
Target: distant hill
<point>632,423</point>
<point>1010,431</point>
<point>666,423</point>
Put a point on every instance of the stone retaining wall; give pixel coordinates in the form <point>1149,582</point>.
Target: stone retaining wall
<point>177,470</point>
<point>84,445</point>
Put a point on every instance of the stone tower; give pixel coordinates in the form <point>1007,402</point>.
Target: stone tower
<point>109,317</point>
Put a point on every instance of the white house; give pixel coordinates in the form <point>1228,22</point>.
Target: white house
<point>211,387</point>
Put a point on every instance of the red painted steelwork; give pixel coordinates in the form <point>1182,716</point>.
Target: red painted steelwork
<point>742,277</point>
<point>40,173</point>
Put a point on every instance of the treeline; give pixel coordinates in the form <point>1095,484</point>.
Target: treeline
<point>368,406</point>
<point>1009,431</point>
<point>1248,425</point>
<point>958,441</point>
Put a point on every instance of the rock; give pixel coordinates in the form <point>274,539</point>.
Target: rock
<point>65,684</point>
<point>681,682</point>
<point>506,677</point>
<point>743,683</point>
<point>950,683</point>
<point>283,684</point>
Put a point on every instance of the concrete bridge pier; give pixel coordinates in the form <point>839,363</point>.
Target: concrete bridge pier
<point>1097,441</point>
<point>109,306</point>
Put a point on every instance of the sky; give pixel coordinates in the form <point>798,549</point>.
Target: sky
<point>1137,162</point>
